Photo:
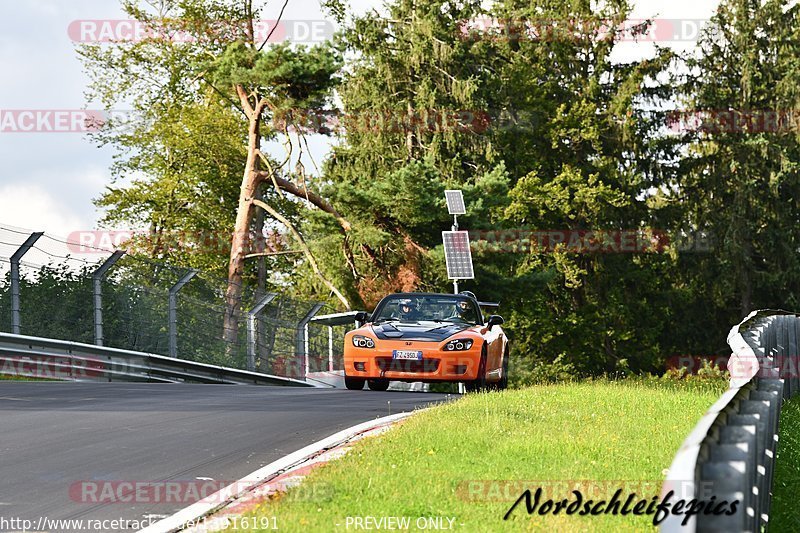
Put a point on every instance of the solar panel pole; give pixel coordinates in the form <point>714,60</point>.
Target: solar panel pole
<point>455,206</point>
<point>455,228</point>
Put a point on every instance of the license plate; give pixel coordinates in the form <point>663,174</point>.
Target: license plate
<point>407,354</point>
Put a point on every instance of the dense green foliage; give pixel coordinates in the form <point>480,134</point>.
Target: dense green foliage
<point>541,134</point>
<point>783,513</point>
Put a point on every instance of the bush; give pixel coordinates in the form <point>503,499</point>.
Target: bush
<point>542,372</point>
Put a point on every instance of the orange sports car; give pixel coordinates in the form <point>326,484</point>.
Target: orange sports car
<point>427,337</point>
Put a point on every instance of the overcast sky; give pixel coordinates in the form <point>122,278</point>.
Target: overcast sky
<point>48,180</point>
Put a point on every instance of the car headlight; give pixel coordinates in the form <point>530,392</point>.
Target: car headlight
<point>456,345</point>
<point>360,341</point>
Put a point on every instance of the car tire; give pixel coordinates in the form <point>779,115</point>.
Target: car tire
<point>378,384</point>
<point>503,383</point>
<point>354,383</point>
<point>478,384</point>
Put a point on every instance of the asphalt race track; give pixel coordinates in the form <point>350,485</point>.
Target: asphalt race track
<point>56,436</point>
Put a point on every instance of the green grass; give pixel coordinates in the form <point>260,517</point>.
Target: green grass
<point>618,432</point>
<point>784,513</point>
<point>10,377</point>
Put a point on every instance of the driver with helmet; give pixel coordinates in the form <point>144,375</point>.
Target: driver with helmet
<point>407,310</point>
<point>464,309</point>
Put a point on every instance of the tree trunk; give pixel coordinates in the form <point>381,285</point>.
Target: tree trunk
<point>745,279</point>
<point>241,230</point>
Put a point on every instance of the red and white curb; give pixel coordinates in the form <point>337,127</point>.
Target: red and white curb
<point>288,471</point>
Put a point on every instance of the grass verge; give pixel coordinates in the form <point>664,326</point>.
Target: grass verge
<point>12,377</point>
<point>784,514</point>
<point>444,462</point>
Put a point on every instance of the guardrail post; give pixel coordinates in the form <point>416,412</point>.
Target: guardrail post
<point>301,337</point>
<point>97,281</point>
<point>251,328</point>
<point>16,323</point>
<point>173,311</point>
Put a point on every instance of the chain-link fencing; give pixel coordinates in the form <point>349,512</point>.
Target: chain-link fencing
<point>134,303</point>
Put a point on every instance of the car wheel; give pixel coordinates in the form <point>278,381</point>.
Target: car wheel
<point>503,383</point>
<point>354,383</point>
<point>478,384</point>
<point>378,384</point>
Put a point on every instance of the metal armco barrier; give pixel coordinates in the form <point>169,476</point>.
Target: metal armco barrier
<point>73,361</point>
<point>730,454</point>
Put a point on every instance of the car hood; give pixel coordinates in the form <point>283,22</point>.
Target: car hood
<point>417,331</point>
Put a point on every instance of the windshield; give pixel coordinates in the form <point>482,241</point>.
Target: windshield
<point>436,308</point>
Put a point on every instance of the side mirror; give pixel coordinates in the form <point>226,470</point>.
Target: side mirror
<point>494,320</point>
<point>362,317</point>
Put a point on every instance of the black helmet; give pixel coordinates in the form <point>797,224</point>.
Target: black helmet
<point>469,294</point>
<point>406,306</point>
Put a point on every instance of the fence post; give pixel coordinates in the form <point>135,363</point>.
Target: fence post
<point>15,259</point>
<point>330,348</point>
<point>173,311</point>
<point>97,281</point>
<point>301,337</point>
<point>251,328</point>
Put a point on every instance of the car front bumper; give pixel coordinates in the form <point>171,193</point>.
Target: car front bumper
<point>436,365</point>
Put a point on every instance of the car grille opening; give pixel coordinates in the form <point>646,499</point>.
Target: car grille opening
<point>387,364</point>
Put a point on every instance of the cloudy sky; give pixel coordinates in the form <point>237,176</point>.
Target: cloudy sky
<point>48,179</point>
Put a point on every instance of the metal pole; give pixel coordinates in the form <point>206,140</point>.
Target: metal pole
<point>330,348</point>
<point>16,323</point>
<point>301,336</point>
<point>455,286</point>
<point>251,328</point>
<point>97,280</point>
<point>305,348</point>
<point>173,311</point>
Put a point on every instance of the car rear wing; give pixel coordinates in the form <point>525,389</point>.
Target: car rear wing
<point>491,305</point>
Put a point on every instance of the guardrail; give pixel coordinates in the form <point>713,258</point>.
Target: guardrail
<point>73,361</point>
<point>730,454</point>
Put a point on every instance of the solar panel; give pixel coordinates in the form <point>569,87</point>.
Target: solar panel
<point>455,202</point>
<point>457,255</point>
